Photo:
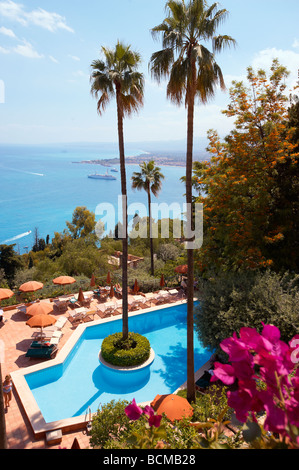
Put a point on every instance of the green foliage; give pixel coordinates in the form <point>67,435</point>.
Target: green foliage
<point>210,404</point>
<point>230,301</point>
<point>83,223</point>
<point>81,257</point>
<point>168,251</point>
<point>131,352</point>
<point>109,423</point>
<point>3,281</point>
<point>249,186</point>
<point>146,437</point>
<point>10,261</point>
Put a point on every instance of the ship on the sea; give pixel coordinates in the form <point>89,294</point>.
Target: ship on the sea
<point>114,169</point>
<point>106,176</point>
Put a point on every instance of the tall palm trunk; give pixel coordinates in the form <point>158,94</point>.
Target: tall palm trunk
<point>150,228</point>
<point>125,323</point>
<point>190,254</point>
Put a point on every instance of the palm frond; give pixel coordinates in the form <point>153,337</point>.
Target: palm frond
<point>148,179</point>
<point>179,76</point>
<point>160,63</point>
<point>220,42</point>
<point>118,71</point>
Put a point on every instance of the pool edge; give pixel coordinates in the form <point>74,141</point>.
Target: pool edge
<point>38,424</point>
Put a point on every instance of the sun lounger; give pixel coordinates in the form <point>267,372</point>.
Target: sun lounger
<point>54,341</point>
<point>118,306</point>
<point>150,298</point>
<point>42,352</point>
<point>75,320</point>
<point>137,302</point>
<point>172,295</point>
<point>105,310</point>
<point>73,302</point>
<point>111,306</point>
<point>60,323</point>
<point>133,304</point>
<point>173,292</point>
<point>88,316</point>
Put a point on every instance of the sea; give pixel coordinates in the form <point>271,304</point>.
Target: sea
<point>41,186</point>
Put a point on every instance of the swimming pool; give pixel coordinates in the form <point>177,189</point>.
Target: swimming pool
<point>70,388</point>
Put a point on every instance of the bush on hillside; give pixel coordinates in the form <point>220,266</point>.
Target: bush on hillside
<point>231,301</point>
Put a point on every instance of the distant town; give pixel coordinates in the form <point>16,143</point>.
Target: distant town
<point>161,159</point>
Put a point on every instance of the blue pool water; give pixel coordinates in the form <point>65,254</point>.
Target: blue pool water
<point>69,389</point>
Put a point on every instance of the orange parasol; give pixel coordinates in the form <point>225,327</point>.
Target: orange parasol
<point>6,294</point>
<point>108,280</point>
<point>111,294</point>
<point>64,280</point>
<point>174,406</point>
<point>136,287</point>
<point>39,308</point>
<point>41,320</point>
<point>162,281</point>
<point>80,295</point>
<point>92,281</point>
<point>183,269</point>
<point>31,286</point>
<point>75,444</point>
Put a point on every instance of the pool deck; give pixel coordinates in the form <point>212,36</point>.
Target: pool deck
<point>25,425</point>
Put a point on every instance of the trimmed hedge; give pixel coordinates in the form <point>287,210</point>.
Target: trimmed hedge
<point>134,352</point>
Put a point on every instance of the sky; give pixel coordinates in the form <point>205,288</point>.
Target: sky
<point>47,47</point>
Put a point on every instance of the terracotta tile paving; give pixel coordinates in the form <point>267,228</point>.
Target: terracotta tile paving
<point>17,337</point>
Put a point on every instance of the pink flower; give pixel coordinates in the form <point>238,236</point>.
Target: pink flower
<point>236,349</point>
<point>254,340</point>
<point>243,370</point>
<point>148,410</point>
<point>276,418</point>
<point>154,420</point>
<point>240,401</point>
<point>133,411</point>
<point>271,333</point>
<point>223,372</point>
<point>266,357</point>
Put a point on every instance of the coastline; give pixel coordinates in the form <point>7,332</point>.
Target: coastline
<point>136,160</point>
<point>160,160</point>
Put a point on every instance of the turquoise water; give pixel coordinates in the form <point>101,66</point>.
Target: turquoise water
<point>70,389</point>
<point>41,187</point>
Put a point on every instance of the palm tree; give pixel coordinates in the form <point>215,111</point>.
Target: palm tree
<point>193,73</point>
<point>117,77</point>
<point>149,179</point>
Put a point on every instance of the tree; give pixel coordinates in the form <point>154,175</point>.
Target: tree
<point>83,223</point>
<point>148,179</point>
<point>250,204</point>
<point>10,261</point>
<point>193,73</point>
<point>117,77</point>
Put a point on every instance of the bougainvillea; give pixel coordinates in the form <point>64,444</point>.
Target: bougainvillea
<point>265,372</point>
<point>133,411</point>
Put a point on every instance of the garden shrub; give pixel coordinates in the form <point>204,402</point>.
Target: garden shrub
<point>133,352</point>
<point>109,423</point>
<point>231,301</point>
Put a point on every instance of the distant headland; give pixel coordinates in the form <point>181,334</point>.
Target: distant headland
<point>161,159</point>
